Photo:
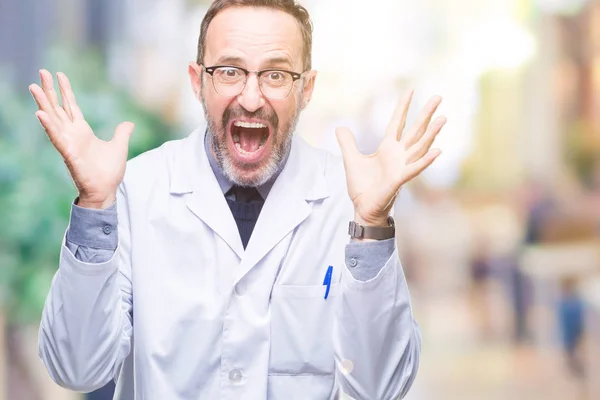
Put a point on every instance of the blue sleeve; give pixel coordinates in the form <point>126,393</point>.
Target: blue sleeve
<point>366,259</point>
<point>92,236</point>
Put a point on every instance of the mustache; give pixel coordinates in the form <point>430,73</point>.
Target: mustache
<point>239,112</point>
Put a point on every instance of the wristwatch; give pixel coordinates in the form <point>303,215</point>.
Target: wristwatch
<point>357,231</point>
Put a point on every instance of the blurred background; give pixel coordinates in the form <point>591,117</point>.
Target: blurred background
<point>499,239</point>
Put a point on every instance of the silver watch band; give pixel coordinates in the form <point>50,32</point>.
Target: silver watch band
<point>357,231</point>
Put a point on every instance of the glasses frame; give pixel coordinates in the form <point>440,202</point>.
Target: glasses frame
<point>295,76</point>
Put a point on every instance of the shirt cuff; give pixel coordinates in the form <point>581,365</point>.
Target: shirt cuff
<point>96,229</point>
<point>365,259</point>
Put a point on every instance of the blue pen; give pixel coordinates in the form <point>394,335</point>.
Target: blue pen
<point>327,280</point>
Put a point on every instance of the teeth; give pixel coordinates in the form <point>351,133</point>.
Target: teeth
<point>243,124</point>
<point>236,138</point>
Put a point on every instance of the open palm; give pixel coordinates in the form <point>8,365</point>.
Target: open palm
<point>374,180</point>
<point>96,166</point>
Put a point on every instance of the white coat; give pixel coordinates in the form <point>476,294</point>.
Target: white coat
<point>182,311</point>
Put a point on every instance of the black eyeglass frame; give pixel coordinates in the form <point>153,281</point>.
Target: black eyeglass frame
<point>295,75</point>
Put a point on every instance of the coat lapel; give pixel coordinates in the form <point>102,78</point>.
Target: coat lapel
<point>289,202</point>
<point>194,178</point>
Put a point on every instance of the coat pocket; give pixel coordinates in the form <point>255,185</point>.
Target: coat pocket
<point>301,330</point>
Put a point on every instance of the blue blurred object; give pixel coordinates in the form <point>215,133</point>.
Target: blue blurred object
<point>570,310</point>
<point>570,318</point>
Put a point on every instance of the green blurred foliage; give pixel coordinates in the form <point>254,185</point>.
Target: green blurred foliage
<point>36,191</point>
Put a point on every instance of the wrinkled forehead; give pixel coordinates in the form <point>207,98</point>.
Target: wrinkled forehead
<point>254,38</point>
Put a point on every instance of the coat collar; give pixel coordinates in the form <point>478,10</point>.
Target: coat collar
<point>301,181</point>
<point>225,184</point>
<point>305,168</point>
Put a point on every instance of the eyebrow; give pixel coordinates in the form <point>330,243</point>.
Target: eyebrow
<point>279,60</point>
<point>229,60</point>
<point>238,61</point>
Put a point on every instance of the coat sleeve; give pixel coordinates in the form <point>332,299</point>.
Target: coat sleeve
<point>92,235</point>
<point>86,327</point>
<point>376,339</point>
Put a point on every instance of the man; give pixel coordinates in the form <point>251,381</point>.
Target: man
<point>231,274</point>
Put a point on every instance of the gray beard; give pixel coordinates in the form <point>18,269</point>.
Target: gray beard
<point>269,169</point>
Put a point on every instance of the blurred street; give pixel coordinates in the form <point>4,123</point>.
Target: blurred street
<point>461,362</point>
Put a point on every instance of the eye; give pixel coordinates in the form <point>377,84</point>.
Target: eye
<point>275,76</point>
<point>231,72</point>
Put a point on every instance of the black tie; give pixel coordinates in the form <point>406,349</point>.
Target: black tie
<point>246,194</point>
<point>245,209</point>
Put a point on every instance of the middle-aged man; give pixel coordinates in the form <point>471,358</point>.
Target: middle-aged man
<point>232,274</point>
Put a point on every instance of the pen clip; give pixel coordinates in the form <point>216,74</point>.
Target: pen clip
<point>327,281</point>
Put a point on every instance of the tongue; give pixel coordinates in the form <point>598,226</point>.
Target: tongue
<point>250,139</point>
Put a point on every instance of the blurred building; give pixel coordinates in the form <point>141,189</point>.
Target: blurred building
<point>29,28</point>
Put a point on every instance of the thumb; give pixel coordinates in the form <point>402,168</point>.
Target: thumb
<point>347,143</point>
<point>122,134</point>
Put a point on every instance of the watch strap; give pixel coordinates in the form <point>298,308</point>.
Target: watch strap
<point>357,231</point>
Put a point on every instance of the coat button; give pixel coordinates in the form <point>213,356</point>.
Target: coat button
<point>352,262</point>
<point>107,230</point>
<point>236,375</point>
<point>240,289</point>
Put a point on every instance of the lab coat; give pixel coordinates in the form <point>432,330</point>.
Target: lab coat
<point>182,311</point>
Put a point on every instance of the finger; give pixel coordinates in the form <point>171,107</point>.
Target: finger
<point>347,142</point>
<point>48,87</point>
<point>66,103</point>
<point>44,104</point>
<point>40,97</point>
<point>398,121</point>
<point>122,135</point>
<point>69,97</point>
<point>422,146</point>
<point>50,128</point>
<point>420,126</point>
<point>414,169</point>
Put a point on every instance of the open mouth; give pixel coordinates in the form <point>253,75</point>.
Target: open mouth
<point>249,138</point>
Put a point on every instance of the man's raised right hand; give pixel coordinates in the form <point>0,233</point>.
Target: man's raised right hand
<point>96,166</point>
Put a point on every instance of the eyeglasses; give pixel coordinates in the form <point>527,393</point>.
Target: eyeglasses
<point>230,81</point>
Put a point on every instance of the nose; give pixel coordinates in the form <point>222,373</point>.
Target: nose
<point>251,97</point>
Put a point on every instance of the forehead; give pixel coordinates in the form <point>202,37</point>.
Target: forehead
<point>254,35</point>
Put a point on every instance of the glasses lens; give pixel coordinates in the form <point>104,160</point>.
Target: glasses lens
<point>276,84</point>
<point>229,81</point>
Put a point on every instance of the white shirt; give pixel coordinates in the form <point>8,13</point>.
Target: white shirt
<point>215,321</point>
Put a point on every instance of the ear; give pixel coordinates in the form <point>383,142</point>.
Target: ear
<point>309,85</point>
<point>195,73</point>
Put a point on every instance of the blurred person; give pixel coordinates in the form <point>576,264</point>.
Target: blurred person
<point>539,208</point>
<point>481,270</point>
<point>480,265</point>
<point>571,318</point>
<point>219,265</point>
<point>497,240</point>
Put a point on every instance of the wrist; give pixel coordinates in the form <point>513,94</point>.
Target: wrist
<point>95,204</point>
<point>362,231</point>
<point>378,221</point>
